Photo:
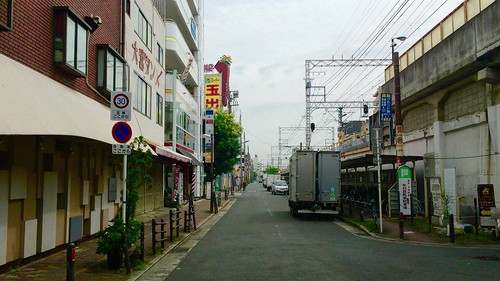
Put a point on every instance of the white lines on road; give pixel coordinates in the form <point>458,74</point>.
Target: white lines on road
<point>278,230</point>
<point>270,213</point>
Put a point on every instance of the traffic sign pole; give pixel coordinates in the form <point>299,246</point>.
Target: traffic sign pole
<point>124,199</point>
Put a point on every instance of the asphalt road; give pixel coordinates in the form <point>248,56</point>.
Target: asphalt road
<point>257,239</point>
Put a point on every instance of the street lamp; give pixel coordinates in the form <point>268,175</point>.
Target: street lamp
<point>397,102</point>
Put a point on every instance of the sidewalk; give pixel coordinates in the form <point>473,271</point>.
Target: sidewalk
<point>90,266</point>
<point>412,234</point>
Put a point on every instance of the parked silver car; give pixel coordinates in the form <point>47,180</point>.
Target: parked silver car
<point>279,186</point>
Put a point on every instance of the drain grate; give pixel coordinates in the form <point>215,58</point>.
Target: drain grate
<point>488,258</point>
<point>361,233</point>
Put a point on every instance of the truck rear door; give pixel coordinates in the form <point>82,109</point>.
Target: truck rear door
<point>305,176</point>
<point>328,176</point>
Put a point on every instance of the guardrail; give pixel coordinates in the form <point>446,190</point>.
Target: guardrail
<point>174,223</point>
<point>361,206</point>
<point>162,232</point>
<point>189,216</point>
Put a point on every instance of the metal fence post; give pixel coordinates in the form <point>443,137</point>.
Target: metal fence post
<point>452,228</point>
<point>401,226</point>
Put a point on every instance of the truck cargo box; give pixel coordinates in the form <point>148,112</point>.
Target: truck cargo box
<point>314,185</point>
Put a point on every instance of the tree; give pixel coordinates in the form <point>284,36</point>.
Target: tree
<point>272,171</point>
<point>227,142</point>
<point>116,239</point>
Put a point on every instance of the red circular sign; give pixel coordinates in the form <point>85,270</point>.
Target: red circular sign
<point>122,132</point>
<point>121,101</point>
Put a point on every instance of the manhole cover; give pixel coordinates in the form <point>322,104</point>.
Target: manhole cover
<point>180,250</point>
<point>488,258</point>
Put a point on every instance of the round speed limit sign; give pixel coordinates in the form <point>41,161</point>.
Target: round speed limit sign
<point>121,101</point>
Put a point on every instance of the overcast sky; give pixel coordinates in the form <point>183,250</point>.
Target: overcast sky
<point>270,40</point>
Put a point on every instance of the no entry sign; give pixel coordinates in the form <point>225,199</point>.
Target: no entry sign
<point>122,132</point>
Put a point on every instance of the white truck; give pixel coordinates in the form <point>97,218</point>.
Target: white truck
<point>314,185</point>
<point>270,179</point>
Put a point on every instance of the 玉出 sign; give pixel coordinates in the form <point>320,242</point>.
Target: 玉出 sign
<point>212,91</point>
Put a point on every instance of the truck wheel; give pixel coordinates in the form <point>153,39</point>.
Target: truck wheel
<point>295,212</point>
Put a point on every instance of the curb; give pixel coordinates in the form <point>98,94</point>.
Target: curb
<point>174,245</point>
<point>375,236</point>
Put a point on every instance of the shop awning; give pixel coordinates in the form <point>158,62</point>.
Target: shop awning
<point>191,156</point>
<point>162,151</point>
<point>33,104</point>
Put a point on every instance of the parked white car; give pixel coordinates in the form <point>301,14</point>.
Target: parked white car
<point>279,186</point>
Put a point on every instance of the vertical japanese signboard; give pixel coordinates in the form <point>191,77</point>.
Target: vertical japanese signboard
<point>212,103</point>
<point>486,198</point>
<point>404,181</point>
<point>385,107</point>
<point>212,91</point>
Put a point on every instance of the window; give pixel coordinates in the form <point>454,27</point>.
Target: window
<point>70,41</point>
<point>169,113</point>
<point>127,7</point>
<point>6,8</point>
<point>159,54</point>
<point>112,70</point>
<point>159,109</point>
<point>143,29</point>
<point>142,97</point>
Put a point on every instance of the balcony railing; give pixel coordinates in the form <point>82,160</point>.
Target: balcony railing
<point>178,53</point>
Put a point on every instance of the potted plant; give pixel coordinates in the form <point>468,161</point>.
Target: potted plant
<point>110,241</point>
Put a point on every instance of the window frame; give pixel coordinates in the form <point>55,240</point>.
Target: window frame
<point>160,57</point>
<point>159,109</point>
<point>63,16</point>
<point>142,101</point>
<point>142,23</point>
<point>102,69</point>
<point>8,26</point>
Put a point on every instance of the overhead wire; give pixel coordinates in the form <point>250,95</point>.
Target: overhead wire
<point>362,47</point>
<point>360,76</point>
<point>369,44</point>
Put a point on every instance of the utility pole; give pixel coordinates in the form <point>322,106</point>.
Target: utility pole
<point>397,102</point>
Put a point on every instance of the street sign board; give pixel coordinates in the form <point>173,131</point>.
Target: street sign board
<point>385,107</point>
<point>122,132</point>
<point>209,122</point>
<point>404,181</point>
<point>121,106</point>
<point>123,149</point>
<point>486,198</point>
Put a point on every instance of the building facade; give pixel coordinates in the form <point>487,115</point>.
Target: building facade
<point>450,90</point>
<point>59,180</point>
